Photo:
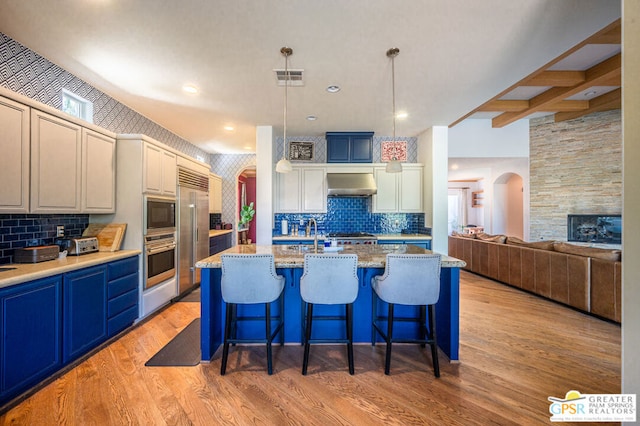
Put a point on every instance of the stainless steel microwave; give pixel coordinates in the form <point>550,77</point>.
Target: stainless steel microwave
<point>159,215</point>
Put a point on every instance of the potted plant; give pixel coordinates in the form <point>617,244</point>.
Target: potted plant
<point>246,215</point>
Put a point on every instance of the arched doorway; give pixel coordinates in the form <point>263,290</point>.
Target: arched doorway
<point>508,208</point>
<point>246,194</point>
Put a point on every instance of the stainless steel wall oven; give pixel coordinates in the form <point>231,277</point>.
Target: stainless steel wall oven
<point>160,258</point>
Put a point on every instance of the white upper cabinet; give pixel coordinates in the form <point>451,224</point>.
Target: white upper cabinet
<point>159,170</point>
<point>53,165</point>
<point>56,163</point>
<point>215,194</point>
<point>14,161</point>
<point>314,190</point>
<point>303,190</point>
<point>399,192</point>
<point>98,172</point>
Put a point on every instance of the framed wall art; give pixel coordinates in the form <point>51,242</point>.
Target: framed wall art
<point>393,151</point>
<point>301,151</point>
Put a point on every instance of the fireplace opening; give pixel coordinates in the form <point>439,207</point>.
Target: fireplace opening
<point>595,228</point>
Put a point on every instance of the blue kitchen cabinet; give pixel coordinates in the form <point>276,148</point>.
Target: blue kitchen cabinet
<point>349,147</point>
<point>122,294</point>
<point>219,243</point>
<point>30,321</point>
<point>85,311</point>
<point>425,244</point>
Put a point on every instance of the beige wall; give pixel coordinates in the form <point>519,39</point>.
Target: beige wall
<point>631,213</point>
<point>575,167</point>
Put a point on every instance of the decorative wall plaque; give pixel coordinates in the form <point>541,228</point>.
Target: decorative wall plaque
<point>394,150</point>
<point>301,151</point>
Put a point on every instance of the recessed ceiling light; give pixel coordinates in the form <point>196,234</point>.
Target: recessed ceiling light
<point>248,148</point>
<point>333,89</point>
<point>454,167</point>
<point>312,117</point>
<point>229,128</point>
<point>402,115</point>
<point>190,88</point>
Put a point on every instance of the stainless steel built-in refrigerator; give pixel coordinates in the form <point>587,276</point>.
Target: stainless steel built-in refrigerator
<point>193,226</point>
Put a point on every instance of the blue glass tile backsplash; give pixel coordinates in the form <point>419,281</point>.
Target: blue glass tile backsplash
<point>25,230</point>
<point>353,214</point>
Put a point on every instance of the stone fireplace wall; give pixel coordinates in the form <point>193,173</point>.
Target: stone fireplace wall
<point>575,168</point>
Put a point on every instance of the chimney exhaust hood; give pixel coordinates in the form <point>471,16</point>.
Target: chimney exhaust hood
<point>350,184</point>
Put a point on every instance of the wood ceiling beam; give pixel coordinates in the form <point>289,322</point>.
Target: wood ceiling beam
<point>504,105</point>
<point>595,75</point>
<point>611,34</point>
<point>556,79</point>
<point>606,102</point>
<point>521,105</point>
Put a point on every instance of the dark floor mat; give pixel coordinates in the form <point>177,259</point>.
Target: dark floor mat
<point>182,351</point>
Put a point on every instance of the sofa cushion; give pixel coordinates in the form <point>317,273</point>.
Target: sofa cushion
<point>493,238</point>
<point>542,245</point>
<point>457,234</point>
<point>598,253</point>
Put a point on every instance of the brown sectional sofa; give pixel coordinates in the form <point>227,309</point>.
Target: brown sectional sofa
<point>582,277</point>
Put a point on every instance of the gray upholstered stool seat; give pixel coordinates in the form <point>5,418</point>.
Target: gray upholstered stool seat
<point>408,279</point>
<point>329,279</point>
<point>250,279</point>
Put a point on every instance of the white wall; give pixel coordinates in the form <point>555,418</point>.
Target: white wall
<point>432,152</point>
<point>631,197</point>
<point>476,138</point>
<point>507,206</point>
<point>264,184</point>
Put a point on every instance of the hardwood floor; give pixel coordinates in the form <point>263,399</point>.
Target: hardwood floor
<point>516,350</point>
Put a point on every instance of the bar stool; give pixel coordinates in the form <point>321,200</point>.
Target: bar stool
<point>408,279</point>
<point>250,279</point>
<point>329,279</point>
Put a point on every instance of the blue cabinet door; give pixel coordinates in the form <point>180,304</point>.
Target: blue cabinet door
<point>338,149</point>
<point>349,147</point>
<point>85,311</point>
<point>31,334</point>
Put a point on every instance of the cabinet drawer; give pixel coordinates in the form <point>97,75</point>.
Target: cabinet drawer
<point>122,285</point>
<point>123,267</point>
<point>122,321</point>
<point>121,303</point>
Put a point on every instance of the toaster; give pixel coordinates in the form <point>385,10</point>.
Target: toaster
<point>78,245</point>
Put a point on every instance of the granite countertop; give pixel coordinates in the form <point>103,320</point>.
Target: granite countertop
<point>24,272</point>
<point>369,256</point>
<point>382,237</point>
<point>216,232</point>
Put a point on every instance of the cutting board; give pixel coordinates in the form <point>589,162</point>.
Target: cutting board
<point>109,235</point>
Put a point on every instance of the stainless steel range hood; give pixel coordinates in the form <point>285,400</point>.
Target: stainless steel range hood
<point>350,184</point>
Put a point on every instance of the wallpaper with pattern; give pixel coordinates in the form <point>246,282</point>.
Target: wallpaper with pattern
<point>31,75</point>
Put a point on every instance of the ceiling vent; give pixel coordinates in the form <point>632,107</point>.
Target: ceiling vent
<point>295,77</point>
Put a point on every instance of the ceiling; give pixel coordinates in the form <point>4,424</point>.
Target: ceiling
<point>458,59</point>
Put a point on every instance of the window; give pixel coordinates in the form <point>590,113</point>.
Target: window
<point>78,107</point>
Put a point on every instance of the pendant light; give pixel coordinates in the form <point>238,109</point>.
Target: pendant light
<point>393,166</point>
<point>284,165</point>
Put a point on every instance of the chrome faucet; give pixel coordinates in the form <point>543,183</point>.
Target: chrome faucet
<point>315,235</point>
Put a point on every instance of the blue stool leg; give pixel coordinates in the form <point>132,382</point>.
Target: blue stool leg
<point>307,337</point>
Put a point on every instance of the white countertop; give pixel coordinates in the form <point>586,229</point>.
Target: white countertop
<point>24,272</point>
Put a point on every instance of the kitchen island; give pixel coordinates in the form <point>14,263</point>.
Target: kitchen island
<point>289,262</point>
